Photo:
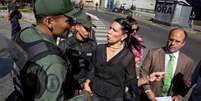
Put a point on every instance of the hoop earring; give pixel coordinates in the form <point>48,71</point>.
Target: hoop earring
<point>122,41</point>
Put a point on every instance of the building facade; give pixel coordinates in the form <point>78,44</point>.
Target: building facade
<point>110,4</point>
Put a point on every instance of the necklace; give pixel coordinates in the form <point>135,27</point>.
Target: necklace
<point>112,48</point>
<point>112,51</point>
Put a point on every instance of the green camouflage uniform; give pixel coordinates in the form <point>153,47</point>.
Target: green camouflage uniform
<point>48,73</point>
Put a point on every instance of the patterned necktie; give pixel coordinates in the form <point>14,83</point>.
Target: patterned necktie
<point>168,75</point>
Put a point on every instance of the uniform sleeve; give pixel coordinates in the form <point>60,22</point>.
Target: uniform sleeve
<point>92,65</point>
<point>90,75</point>
<point>32,76</point>
<point>53,81</point>
<point>54,92</point>
<point>84,96</point>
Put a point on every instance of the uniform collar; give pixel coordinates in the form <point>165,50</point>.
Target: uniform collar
<point>45,36</point>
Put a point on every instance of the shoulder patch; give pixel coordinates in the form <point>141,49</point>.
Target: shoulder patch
<point>52,83</point>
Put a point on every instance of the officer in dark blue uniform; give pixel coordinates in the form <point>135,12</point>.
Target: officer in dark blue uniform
<point>14,16</point>
<point>79,48</point>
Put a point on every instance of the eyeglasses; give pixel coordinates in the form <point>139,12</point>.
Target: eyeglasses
<point>135,29</point>
<point>87,29</point>
<point>69,21</point>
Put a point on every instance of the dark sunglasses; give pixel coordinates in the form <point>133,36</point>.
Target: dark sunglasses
<point>87,29</point>
<point>71,21</point>
<point>137,29</point>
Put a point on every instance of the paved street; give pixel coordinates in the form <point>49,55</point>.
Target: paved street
<point>5,27</point>
<point>101,29</point>
<point>155,35</point>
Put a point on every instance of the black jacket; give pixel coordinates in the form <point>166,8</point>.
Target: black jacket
<point>79,54</point>
<point>15,13</point>
<point>110,77</point>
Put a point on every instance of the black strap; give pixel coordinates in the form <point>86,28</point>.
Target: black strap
<point>37,49</point>
<point>41,49</point>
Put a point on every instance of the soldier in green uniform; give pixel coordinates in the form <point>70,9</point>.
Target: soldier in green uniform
<point>44,75</point>
<point>79,49</point>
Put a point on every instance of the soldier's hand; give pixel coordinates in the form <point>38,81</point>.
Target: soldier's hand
<point>81,3</point>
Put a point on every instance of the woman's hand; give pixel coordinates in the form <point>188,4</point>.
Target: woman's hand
<point>87,87</point>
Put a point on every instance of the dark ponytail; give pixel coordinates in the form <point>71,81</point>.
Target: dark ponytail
<point>126,28</point>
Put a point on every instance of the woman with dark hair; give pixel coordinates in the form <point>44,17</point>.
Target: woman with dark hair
<point>2,2</point>
<point>114,67</point>
<point>137,41</point>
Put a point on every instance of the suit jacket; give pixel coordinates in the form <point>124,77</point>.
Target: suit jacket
<point>155,62</point>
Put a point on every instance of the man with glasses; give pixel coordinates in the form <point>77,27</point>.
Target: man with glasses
<point>177,67</point>
<point>44,76</point>
<point>79,49</point>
